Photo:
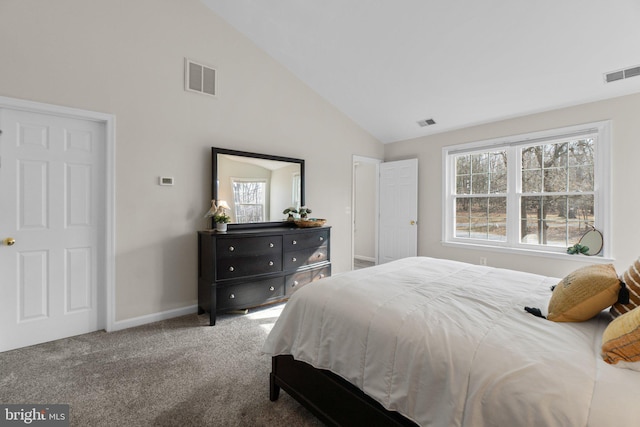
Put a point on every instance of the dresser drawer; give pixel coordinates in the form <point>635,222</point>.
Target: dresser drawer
<point>249,294</point>
<point>294,242</point>
<point>248,246</point>
<point>295,259</point>
<point>295,281</point>
<point>240,266</point>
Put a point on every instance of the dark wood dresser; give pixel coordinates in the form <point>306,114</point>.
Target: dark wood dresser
<point>248,267</point>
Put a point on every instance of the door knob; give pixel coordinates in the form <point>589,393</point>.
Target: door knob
<point>9,241</point>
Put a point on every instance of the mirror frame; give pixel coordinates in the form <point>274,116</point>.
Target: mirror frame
<point>214,179</point>
<point>592,250</point>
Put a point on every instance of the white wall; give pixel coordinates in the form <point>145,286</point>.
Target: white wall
<point>622,111</point>
<point>126,57</point>
<point>282,190</point>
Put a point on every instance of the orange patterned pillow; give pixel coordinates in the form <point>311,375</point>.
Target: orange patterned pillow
<point>584,293</point>
<point>621,339</point>
<point>632,278</point>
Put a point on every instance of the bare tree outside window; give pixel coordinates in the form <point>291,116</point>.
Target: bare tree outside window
<point>481,205</point>
<point>557,200</point>
<point>540,191</point>
<point>249,200</point>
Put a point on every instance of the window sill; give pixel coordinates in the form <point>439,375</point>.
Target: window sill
<point>595,259</point>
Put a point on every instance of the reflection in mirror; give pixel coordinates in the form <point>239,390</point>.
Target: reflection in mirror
<point>257,187</point>
<point>593,240</point>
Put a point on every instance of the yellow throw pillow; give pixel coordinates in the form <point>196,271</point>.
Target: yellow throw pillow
<point>621,339</point>
<point>632,279</point>
<point>584,293</point>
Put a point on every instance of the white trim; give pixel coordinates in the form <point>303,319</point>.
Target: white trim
<point>529,138</point>
<point>110,224</point>
<point>154,317</point>
<point>530,252</point>
<point>106,307</point>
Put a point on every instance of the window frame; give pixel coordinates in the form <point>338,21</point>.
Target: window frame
<point>296,184</point>
<point>263,203</point>
<point>513,146</point>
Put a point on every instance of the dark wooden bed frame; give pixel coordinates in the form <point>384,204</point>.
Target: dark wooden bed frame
<point>332,399</point>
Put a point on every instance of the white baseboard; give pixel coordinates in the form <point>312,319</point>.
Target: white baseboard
<point>364,258</point>
<point>155,317</point>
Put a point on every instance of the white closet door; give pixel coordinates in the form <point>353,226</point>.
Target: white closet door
<point>51,205</point>
<point>398,210</point>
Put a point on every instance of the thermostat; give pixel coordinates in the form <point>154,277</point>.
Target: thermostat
<point>166,180</point>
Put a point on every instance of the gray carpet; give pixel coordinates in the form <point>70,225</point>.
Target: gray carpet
<point>178,372</point>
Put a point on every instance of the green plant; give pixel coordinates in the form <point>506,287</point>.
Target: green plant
<point>222,218</point>
<point>304,212</point>
<point>577,249</point>
<point>289,212</point>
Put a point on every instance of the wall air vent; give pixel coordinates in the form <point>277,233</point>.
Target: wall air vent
<point>622,74</point>
<point>200,78</point>
<point>426,122</point>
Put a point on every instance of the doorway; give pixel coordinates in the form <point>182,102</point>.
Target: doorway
<point>57,224</point>
<point>365,212</point>
<point>384,211</point>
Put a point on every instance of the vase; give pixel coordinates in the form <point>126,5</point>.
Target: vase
<point>221,226</point>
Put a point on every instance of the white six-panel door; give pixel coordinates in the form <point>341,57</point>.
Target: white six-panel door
<point>51,169</point>
<point>398,210</point>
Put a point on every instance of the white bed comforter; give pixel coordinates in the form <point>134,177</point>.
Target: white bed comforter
<point>449,344</point>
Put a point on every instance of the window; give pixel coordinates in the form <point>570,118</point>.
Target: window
<point>249,200</point>
<point>539,191</point>
<point>481,195</point>
<point>295,190</point>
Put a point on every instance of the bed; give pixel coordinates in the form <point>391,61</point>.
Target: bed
<point>443,343</point>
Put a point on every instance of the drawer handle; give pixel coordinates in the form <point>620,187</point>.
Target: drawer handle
<point>270,245</point>
<point>270,263</point>
<point>232,296</point>
<point>293,259</point>
<point>294,243</point>
<point>271,288</point>
<point>295,283</point>
<point>321,238</point>
<point>231,268</point>
<point>231,249</point>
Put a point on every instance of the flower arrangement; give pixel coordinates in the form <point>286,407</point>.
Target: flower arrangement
<point>304,212</point>
<point>219,214</point>
<point>221,218</point>
<point>290,211</point>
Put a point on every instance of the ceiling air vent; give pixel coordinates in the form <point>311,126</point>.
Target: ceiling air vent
<point>426,122</point>
<point>631,72</point>
<point>199,78</point>
<point>622,74</point>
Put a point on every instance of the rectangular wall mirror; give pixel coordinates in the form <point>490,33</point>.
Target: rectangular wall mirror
<point>257,187</point>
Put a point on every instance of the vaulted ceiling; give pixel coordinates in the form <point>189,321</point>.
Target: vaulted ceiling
<point>388,64</point>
